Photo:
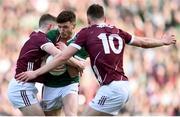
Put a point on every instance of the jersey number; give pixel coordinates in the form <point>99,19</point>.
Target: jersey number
<point>111,45</point>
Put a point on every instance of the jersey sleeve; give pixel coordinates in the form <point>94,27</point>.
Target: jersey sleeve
<point>80,39</point>
<point>82,52</point>
<point>126,36</point>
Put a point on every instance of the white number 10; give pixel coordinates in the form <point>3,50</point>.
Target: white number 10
<point>107,45</point>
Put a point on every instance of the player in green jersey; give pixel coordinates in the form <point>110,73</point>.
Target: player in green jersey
<point>61,91</point>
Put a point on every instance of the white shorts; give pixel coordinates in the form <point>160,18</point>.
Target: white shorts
<point>110,98</point>
<point>22,95</point>
<point>52,96</point>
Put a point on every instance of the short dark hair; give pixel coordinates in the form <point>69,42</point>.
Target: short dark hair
<point>45,18</point>
<point>66,16</point>
<point>95,11</point>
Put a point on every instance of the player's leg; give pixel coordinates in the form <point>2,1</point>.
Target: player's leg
<point>23,96</point>
<point>70,100</point>
<point>91,111</point>
<point>108,100</point>
<point>55,112</point>
<point>34,109</point>
<point>70,104</point>
<point>88,111</point>
<point>51,100</point>
<point>89,84</point>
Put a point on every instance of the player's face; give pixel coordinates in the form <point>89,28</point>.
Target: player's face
<point>66,29</point>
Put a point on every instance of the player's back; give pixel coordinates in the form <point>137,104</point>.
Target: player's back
<point>105,45</point>
<point>30,57</point>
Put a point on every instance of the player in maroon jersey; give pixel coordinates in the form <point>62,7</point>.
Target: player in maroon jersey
<point>105,45</point>
<point>23,95</point>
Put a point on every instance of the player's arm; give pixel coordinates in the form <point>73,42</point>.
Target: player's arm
<point>50,49</point>
<point>59,59</point>
<point>72,61</point>
<point>146,42</point>
<point>53,50</point>
<point>75,63</point>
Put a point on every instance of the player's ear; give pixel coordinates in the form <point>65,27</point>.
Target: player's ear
<point>49,26</point>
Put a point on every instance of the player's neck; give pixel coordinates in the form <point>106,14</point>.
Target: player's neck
<point>44,30</point>
<point>97,22</point>
<point>40,30</point>
<point>67,38</point>
<point>64,41</point>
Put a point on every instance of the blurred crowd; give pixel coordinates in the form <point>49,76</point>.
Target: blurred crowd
<point>154,74</point>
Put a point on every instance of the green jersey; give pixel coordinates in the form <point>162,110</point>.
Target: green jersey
<point>63,79</point>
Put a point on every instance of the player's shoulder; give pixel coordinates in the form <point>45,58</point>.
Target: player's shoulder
<point>37,34</point>
<point>82,32</point>
<point>85,29</point>
<point>52,35</point>
<point>38,38</point>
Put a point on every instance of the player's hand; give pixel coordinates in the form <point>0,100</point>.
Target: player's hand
<point>25,76</point>
<point>81,66</point>
<point>61,45</point>
<point>59,68</point>
<point>168,39</point>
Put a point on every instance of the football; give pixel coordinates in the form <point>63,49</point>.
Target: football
<point>57,71</point>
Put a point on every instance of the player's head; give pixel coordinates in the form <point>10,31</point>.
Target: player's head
<point>66,23</point>
<point>47,21</point>
<point>95,13</point>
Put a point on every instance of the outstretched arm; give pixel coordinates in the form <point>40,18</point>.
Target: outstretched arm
<point>146,42</point>
<point>59,59</point>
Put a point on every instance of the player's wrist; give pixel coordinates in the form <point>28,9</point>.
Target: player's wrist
<point>36,73</point>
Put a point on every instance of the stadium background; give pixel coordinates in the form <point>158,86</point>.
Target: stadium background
<point>154,74</point>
